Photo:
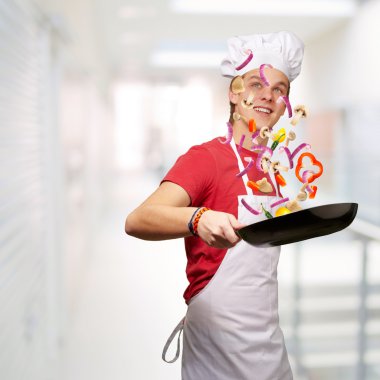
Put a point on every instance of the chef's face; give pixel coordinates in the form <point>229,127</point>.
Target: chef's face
<point>266,111</point>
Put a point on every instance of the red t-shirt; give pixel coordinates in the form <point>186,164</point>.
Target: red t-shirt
<point>207,172</point>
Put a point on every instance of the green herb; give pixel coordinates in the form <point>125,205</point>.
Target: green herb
<point>267,213</point>
<point>276,142</point>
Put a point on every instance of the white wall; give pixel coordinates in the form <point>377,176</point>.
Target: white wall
<point>340,82</point>
<point>342,67</point>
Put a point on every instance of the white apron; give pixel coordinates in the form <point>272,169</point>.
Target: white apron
<point>231,329</point>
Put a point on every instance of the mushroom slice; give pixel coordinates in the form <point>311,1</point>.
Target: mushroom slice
<point>237,85</point>
<point>245,105</point>
<point>236,116</point>
<point>249,100</point>
<point>265,162</point>
<point>248,103</point>
<point>291,137</point>
<point>300,111</point>
<point>264,185</point>
<point>301,196</point>
<point>264,132</point>
<point>293,205</point>
<point>275,167</point>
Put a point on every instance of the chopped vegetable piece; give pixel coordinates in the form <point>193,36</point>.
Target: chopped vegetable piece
<point>267,213</point>
<point>282,200</point>
<point>282,211</point>
<point>291,137</point>
<point>313,192</point>
<point>300,112</point>
<point>245,170</point>
<point>245,63</point>
<point>293,206</point>
<point>299,148</point>
<point>279,135</point>
<point>279,139</point>
<point>285,99</point>
<point>252,125</point>
<point>264,132</point>
<point>242,138</point>
<point>229,134</point>
<point>287,151</point>
<point>314,161</point>
<point>253,185</point>
<point>263,150</point>
<point>262,74</point>
<point>237,85</point>
<point>264,185</point>
<point>280,179</point>
<point>249,208</point>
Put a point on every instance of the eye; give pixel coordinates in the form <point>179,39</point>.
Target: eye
<point>278,90</point>
<point>256,85</point>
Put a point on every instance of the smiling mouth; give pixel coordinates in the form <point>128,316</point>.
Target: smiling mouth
<point>263,110</point>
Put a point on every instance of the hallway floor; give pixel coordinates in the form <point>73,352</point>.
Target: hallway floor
<point>130,301</point>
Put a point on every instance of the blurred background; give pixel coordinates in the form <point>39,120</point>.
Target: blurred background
<point>97,99</point>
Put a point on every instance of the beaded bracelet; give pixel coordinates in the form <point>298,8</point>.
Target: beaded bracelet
<point>195,220</point>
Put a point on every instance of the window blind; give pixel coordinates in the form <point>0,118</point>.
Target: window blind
<point>29,240</point>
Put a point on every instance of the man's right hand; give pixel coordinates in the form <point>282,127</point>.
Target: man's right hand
<point>217,229</point>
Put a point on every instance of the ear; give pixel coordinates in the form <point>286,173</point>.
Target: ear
<point>234,98</point>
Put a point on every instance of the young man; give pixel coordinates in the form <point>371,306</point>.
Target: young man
<point>231,329</point>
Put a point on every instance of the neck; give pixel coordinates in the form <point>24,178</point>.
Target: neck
<point>239,129</point>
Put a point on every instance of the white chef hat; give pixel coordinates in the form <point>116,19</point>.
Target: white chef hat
<point>282,50</point>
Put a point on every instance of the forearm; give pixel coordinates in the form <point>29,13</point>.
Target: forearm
<point>159,222</point>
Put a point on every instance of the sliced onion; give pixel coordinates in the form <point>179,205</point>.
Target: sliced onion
<point>241,143</point>
<point>263,150</point>
<point>287,151</point>
<point>305,176</point>
<point>229,134</point>
<point>253,137</point>
<point>285,99</point>
<point>262,74</point>
<point>245,63</point>
<point>299,148</point>
<point>282,200</point>
<point>245,170</point>
<point>249,208</point>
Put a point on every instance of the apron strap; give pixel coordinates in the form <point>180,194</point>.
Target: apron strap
<point>241,168</point>
<point>178,329</point>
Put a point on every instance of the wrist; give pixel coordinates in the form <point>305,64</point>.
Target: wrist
<point>194,220</point>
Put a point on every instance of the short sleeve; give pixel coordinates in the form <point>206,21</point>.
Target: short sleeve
<point>195,173</point>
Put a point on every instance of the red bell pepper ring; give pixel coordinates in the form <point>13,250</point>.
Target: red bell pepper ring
<point>301,165</point>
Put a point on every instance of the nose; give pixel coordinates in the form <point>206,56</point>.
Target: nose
<point>266,93</point>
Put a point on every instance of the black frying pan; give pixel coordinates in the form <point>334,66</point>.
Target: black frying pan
<point>300,225</point>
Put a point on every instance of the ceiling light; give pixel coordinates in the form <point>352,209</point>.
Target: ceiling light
<point>187,58</point>
<point>134,11</point>
<point>327,8</point>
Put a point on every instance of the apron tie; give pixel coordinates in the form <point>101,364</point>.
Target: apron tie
<point>178,329</point>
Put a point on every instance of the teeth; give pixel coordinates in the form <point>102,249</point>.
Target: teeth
<point>262,110</point>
